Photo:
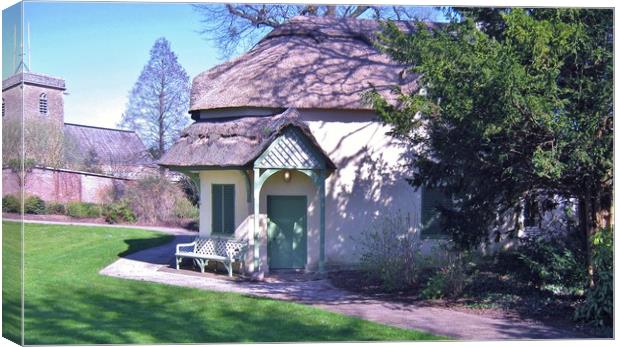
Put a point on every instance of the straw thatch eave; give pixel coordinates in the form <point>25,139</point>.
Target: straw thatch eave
<point>232,143</point>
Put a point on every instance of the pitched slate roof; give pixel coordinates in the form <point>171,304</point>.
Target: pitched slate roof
<point>106,146</point>
<point>309,62</point>
<point>233,142</point>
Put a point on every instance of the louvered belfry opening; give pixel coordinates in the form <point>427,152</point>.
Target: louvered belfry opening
<point>43,104</point>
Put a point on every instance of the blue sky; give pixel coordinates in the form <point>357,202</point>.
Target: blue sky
<point>100,49</point>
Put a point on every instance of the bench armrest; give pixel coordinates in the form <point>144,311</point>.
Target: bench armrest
<point>185,247</point>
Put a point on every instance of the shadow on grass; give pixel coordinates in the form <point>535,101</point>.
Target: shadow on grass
<point>147,314</point>
<point>11,318</point>
<point>135,245</point>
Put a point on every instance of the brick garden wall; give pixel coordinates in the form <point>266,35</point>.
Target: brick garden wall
<point>61,185</point>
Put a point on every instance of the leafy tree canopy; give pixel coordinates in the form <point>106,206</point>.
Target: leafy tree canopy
<point>515,104</point>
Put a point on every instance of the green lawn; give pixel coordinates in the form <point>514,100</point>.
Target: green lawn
<point>11,279</point>
<point>67,301</point>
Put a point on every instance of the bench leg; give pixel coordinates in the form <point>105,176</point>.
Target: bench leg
<point>201,263</point>
<point>178,261</point>
<point>229,268</point>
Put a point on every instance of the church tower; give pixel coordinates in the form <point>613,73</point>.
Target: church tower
<point>42,96</point>
<point>35,95</point>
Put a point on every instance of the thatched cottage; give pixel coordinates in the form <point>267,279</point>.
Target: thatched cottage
<point>288,154</point>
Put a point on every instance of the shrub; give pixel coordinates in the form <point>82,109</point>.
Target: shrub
<point>11,204</point>
<point>598,306</point>
<point>34,205</point>
<point>118,212</point>
<point>184,209</point>
<point>451,279</point>
<point>83,210</point>
<point>556,261</point>
<point>191,189</point>
<point>55,208</point>
<point>153,199</point>
<point>434,288</point>
<point>389,252</point>
<point>111,193</point>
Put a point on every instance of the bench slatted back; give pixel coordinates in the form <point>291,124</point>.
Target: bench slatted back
<point>219,246</point>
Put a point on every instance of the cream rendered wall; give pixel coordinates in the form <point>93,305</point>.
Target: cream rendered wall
<point>236,177</point>
<point>369,179</point>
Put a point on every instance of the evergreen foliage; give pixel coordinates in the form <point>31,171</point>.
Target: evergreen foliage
<point>517,105</point>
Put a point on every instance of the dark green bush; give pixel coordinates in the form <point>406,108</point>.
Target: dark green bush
<point>557,262</point>
<point>54,207</point>
<point>450,280</point>
<point>434,288</point>
<point>118,212</point>
<point>11,204</point>
<point>34,205</point>
<point>598,306</point>
<point>191,189</point>
<point>83,210</point>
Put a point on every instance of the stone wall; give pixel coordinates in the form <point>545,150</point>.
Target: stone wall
<point>61,185</point>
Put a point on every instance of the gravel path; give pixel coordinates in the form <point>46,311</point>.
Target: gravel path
<point>156,265</point>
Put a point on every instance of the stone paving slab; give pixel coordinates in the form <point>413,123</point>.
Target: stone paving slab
<point>155,265</point>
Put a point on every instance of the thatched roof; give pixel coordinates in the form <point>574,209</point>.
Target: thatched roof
<point>310,62</point>
<point>232,142</point>
<point>106,146</point>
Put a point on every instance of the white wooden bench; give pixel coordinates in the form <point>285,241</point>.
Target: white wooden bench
<point>219,249</point>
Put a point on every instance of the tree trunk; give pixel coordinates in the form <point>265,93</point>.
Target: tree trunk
<point>160,129</point>
<point>161,125</point>
<point>595,214</point>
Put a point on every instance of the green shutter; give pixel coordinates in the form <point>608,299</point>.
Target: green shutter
<point>216,208</point>
<point>431,199</point>
<point>223,208</point>
<point>229,209</point>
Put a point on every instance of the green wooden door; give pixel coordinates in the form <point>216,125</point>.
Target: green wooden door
<point>287,231</point>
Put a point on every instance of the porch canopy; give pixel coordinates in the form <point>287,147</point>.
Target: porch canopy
<point>262,145</point>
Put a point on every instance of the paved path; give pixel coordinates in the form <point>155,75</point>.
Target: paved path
<point>155,265</point>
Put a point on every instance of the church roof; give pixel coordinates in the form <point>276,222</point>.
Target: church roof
<point>309,62</point>
<point>234,142</point>
<point>106,146</point>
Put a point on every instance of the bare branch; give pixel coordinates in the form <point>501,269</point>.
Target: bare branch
<point>235,27</point>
